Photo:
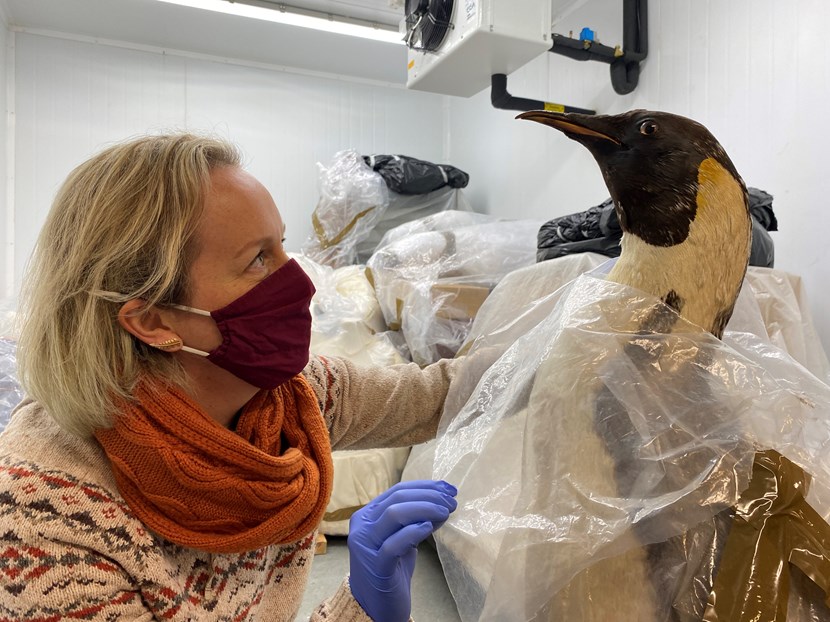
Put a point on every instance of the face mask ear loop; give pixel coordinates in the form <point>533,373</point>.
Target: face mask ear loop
<point>192,310</point>
<point>198,312</point>
<point>195,351</point>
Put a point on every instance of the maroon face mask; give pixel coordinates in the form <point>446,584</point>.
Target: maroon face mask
<point>266,332</point>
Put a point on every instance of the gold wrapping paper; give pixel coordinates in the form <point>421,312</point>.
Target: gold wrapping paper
<point>773,526</point>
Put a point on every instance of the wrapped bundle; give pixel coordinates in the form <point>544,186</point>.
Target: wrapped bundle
<point>431,275</point>
<point>604,473</point>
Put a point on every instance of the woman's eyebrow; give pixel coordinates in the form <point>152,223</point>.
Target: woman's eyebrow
<point>258,243</point>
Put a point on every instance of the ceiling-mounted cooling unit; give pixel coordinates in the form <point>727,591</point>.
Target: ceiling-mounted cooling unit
<point>455,46</point>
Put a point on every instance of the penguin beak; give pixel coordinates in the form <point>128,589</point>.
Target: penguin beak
<point>585,129</point>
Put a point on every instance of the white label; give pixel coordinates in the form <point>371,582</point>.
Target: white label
<point>470,9</point>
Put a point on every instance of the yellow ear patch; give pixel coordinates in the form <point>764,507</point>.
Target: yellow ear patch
<point>716,184</point>
<point>721,207</point>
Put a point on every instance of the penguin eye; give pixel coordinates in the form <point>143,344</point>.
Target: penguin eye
<point>647,128</point>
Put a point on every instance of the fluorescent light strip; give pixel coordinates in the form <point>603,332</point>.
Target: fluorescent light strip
<point>292,19</point>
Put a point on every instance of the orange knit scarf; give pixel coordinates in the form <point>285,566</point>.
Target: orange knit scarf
<point>203,486</point>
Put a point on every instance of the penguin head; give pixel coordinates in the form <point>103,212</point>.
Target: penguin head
<point>682,206</point>
<point>651,164</point>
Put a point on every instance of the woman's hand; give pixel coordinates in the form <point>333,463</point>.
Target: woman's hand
<point>383,540</point>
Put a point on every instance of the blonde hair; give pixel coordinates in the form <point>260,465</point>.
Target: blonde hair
<point>123,221</point>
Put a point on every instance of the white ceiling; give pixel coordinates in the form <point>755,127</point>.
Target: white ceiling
<point>159,24</point>
<point>389,12</point>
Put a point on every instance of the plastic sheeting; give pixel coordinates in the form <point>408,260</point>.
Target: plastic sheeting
<point>788,323</point>
<point>10,392</point>
<point>352,199</point>
<point>431,275</point>
<point>346,319</point>
<point>774,306</point>
<point>8,318</point>
<point>356,207</point>
<point>595,464</point>
<point>404,208</point>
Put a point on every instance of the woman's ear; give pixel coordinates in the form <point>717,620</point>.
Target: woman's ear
<point>148,325</point>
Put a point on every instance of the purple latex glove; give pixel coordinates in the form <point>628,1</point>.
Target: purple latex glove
<point>383,544</point>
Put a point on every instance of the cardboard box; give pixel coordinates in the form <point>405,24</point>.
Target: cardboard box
<point>458,301</point>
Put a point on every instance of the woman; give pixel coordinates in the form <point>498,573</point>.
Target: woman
<point>173,459</point>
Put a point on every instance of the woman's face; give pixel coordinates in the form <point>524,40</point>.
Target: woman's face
<point>239,242</point>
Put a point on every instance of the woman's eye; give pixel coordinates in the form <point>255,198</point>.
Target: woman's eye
<point>648,128</point>
<point>259,260</point>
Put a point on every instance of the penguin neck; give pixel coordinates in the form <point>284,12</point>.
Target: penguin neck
<point>701,276</point>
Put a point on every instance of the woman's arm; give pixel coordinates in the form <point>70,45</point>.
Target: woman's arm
<point>393,406</point>
<point>342,607</point>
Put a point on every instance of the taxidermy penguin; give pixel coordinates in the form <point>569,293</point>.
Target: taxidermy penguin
<point>682,206</point>
<point>684,213</point>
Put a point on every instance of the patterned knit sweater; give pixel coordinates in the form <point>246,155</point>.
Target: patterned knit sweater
<point>70,548</point>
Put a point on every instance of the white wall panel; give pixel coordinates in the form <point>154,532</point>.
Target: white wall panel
<point>287,123</point>
<point>755,72</point>
<point>75,97</point>
<point>6,214</point>
<point>72,99</point>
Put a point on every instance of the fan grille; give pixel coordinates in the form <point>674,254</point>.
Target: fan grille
<point>427,23</point>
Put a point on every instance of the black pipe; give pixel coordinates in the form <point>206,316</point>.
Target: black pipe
<point>500,98</point>
<point>635,29</point>
<point>577,50</point>
<point>625,71</point>
<point>625,63</point>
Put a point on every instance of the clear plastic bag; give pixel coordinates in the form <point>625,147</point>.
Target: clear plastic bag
<point>597,466</point>
<point>9,323</point>
<point>789,324</point>
<point>346,318</point>
<point>11,393</point>
<point>431,275</point>
<point>352,199</point>
<point>404,208</point>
